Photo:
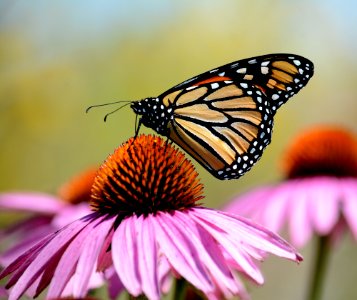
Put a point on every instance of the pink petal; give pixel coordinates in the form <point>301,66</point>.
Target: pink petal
<point>31,202</point>
<point>31,291</point>
<point>125,255</point>
<point>56,245</point>
<point>71,213</point>
<point>165,275</point>
<point>180,251</point>
<point>246,232</point>
<point>298,218</point>
<point>34,229</point>
<point>105,260</point>
<point>233,246</point>
<point>349,204</point>
<point>24,226</point>
<point>66,266</point>
<point>274,208</point>
<point>210,255</point>
<point>46,276</point>
<point>148,257</point>
<point>115,286</point>
<point>266,205</point>
<point>247,203</point>
<point>324,197</point>
<point>88,256</point>
<point>23,261</point>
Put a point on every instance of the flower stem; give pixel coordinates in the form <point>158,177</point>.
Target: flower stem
<point>180,289</point>
<point>318,273</point>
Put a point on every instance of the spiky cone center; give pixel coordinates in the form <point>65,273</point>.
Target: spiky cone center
<point>143,176</point>
<point>78,188</point>
<point>330,151</point>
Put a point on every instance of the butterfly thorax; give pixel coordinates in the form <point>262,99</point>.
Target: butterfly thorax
<point>153,114</point>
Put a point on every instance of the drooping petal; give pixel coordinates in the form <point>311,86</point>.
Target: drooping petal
<point>266,205</point>
<point>247,232</point>
<point>96,281</point>
<point>349,204</point>
<point>105,260</point>
<point>115,286</point>
<point>66,266</point>
<point>125,255</point>
<point>274,208</point>
<point>210,255</point>
<point>324,195</point>
<point>165,275</point>
<point>38,263</point>
<point>21,263</point>
<point>300,226</point>
<point>180,251</point>
<point>247,203</point>
<point>215,225</point>
<point>38,226</point>
<point>148,257</point>
<point>89,254</point>
<point>47,275</point>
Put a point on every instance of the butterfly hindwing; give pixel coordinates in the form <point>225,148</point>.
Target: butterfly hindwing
<point>225,126</point>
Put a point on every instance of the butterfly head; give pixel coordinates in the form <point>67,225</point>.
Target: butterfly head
<point>153,114</point>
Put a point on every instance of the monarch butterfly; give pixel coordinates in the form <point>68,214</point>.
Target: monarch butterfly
<point>224,117</point>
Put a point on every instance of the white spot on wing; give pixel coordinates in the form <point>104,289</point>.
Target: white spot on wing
<point>264,70</point>
<point>244,85</point>
<point>242,70</point>
<point>214,85</point>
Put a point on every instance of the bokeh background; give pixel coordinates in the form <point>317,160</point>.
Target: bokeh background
<point>59,57</point>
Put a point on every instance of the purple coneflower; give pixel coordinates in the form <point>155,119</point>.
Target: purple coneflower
<point>318,195</point>
<point>148,224</point>
<point>45,213</point>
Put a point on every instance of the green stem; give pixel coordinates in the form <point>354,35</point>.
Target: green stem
<point>319,270</point>
<point>180,289</point>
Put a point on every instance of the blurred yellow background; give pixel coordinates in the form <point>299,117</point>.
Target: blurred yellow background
<point>59,57</point>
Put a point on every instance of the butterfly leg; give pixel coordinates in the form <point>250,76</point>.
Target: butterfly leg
<point>137,126</point>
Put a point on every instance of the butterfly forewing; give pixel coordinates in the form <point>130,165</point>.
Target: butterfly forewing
<point>224,117</point>
<point>278,76</point>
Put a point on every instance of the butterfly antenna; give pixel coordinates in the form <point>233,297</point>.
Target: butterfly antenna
<point>115,110</point>
<point>105,104</point>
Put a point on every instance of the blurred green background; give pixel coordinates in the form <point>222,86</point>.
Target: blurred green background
<point>59,57</point>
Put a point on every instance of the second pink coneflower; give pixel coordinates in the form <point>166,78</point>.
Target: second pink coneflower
<point>318,196</point>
